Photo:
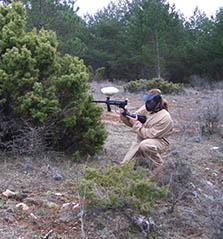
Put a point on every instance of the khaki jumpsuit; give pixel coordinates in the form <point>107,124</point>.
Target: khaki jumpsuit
<point>151,136</point>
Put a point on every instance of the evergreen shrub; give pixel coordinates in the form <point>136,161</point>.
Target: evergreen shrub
<point>44,90</point>
<point>120,186</point>
<point>142,85</point>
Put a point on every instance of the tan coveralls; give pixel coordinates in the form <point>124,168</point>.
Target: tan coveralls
<point>151,136</point>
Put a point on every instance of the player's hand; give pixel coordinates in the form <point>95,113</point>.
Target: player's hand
<point>122,110</point>
<point>132,120</point>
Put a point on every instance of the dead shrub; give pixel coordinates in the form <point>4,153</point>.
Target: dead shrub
<point>178,176</point>
<point>208,211</point>
<point>212,117</point>
<point>19,137</point>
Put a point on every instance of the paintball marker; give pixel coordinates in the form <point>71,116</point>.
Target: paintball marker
<point>108,102</point>
<point>109,91</point>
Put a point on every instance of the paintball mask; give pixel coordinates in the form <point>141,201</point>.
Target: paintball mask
<point>152,100</point>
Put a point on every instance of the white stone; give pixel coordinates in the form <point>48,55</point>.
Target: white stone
<point>8,193</point>
<point>22,206</point>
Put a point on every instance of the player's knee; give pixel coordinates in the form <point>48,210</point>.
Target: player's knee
<point>145,146</point>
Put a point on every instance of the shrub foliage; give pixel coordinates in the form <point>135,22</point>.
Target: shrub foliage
<point>165,86</point>
<point>120,186</point>
<point>45,90</point>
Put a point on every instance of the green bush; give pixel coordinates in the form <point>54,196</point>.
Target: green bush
<point>44,90</point>
<point>143,85</point>
<point>135,86</point>
<point>120,186</point>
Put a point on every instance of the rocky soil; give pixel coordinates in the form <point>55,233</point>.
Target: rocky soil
<point>44,201</point>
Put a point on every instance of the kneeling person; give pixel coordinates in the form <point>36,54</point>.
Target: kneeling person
<point>151,135</point>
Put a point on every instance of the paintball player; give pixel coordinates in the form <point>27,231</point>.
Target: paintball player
<point>151,135</point>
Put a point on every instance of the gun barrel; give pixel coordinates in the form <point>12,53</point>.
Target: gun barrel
<point>100,101</point>
<point>109,102</point>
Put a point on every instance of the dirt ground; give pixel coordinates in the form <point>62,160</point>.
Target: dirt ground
<point>46,202</point>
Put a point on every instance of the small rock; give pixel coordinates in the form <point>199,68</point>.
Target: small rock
<point>58,194</point>
<point>147,225</point>
<point>9,193</point>
<point>28,167</point>
<point>69,205</point>
<point>220,149</point>
<point>76,205</point>
<point>66,205</point>
<point>57,177</point>
<point>93,89</point>
<point>33,216</point>
<point>175,153</point>
<point>22,206</point>
<point>205,97</point>
<point>197,139</point>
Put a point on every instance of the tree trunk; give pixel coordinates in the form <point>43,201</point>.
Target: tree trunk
<point>157,54</point>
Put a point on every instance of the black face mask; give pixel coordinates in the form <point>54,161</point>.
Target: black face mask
<point>152,103</point>
<point>151,106</point>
